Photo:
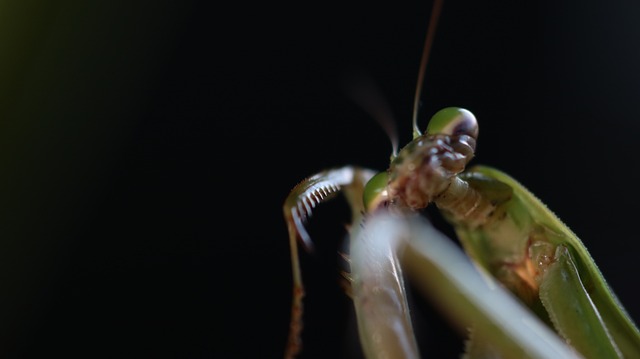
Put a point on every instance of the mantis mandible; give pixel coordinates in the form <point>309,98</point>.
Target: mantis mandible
<point>526,285</point>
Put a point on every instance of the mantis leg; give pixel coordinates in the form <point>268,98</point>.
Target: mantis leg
<point>379,295</point>
<point>297,208</point>
<point>572,311</point>
<point>470,298</point>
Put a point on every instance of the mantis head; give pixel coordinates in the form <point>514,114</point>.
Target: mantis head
<point>424,167</point>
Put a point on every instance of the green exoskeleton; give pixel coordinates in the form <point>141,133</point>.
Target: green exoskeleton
<point>525,286</point>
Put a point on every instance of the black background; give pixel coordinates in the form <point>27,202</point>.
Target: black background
<point>146,149</point>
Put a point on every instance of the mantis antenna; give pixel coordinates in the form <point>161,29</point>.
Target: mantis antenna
<point>435,14</point>
<point>364,92</point>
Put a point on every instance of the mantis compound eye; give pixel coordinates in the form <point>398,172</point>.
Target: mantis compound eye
<point>453,121</point>
<point>375,191</point>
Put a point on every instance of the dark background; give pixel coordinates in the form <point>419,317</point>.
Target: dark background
<point>146,149</point>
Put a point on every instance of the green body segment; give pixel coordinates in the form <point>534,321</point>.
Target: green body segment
<point>572,311</point>
<point>531,251</point>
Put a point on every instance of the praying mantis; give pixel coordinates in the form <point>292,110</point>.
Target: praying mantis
<point>526,287</point>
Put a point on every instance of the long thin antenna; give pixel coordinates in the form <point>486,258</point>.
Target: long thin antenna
<point>435,14</point>
<point>365,93</point>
